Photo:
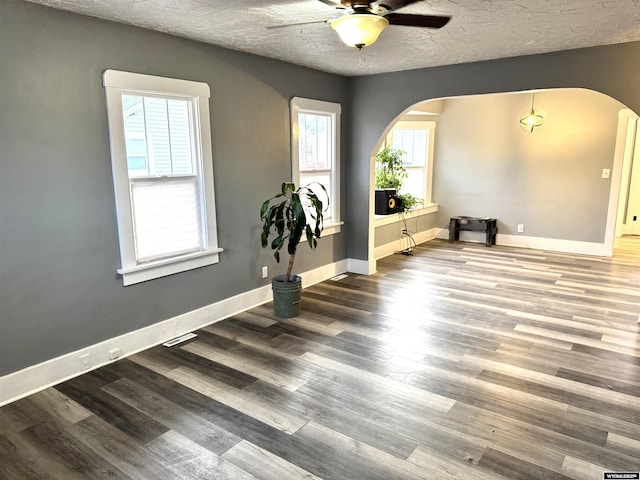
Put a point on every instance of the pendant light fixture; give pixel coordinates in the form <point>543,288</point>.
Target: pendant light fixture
<point>531,119</point>
<point>359,30</point>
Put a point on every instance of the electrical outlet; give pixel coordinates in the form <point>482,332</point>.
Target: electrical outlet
<point>404,231</point>
<point>520,228</point>
<point>85,361</point>
<point>606,172</point>
<point>265,271</point>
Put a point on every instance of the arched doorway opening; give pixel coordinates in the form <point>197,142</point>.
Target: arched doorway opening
<point>556,188</point>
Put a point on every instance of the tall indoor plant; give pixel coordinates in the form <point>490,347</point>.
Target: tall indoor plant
<point>286,217</point>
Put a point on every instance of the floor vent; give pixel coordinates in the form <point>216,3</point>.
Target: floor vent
<point>339,277</point>
<point>177,340</point>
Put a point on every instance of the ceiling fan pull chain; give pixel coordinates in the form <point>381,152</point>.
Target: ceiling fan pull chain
<point>361,56</point>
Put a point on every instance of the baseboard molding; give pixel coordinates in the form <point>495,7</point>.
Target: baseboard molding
<point>552,244</point>
<point>538,243</point>
<point>32,379</point>
<point>403,243</point>
<point>323,273</point>
<point>362,267</point>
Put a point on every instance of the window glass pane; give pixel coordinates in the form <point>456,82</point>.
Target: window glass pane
<point>413,143</point>
<point>158,144</point>
<point>158,136</point>
<point>415,183</point>
<point>180,135</point>
<point>315,141</point>
<point>167,217</point>
<point>136,155</point>
<point>134,133</point>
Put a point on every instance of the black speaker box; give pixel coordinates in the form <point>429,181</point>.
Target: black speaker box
<point>387,202</point>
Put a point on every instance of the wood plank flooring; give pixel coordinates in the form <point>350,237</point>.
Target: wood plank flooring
<point>459,362</point>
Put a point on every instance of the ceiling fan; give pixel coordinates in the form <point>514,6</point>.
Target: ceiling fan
<point>363,22</point>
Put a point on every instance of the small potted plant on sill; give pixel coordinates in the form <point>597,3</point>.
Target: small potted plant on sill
<point>286,217</point>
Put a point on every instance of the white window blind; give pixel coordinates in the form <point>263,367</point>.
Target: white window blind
<point>167,218</point>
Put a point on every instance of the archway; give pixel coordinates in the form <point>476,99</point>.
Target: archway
<point>549,182</point>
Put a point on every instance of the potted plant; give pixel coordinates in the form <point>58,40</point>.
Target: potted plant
<point>390,172</point>
<point>390,175</point>
<point>286,217</point>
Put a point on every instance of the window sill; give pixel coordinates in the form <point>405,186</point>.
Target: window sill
<point>380,220</point>
<point>162,268</point>
<point>331,229</point>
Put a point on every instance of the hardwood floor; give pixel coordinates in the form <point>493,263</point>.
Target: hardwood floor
<point>459,362</point>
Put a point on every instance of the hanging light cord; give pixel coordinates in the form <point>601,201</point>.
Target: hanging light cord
<point>533,96</point>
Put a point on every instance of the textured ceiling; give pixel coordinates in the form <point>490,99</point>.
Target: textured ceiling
<point>479,29</point>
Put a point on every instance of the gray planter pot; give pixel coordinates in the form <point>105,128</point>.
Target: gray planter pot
<point>286,296</point>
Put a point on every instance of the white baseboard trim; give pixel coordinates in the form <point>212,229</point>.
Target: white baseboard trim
<point>362,267</point>
<point>321,274</point>
<point>403,243</point>
<point>32,379</point>
<point>553,244</point>
<point>538,243</point>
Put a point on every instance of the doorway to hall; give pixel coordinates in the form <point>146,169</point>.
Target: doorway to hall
<point>627,247</point>
<point>627,231</point>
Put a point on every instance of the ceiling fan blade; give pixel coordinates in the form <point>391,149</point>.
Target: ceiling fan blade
<point>332,3</point>
<point>271,27</point>
<point>408,20</point>
<point>391,5</point>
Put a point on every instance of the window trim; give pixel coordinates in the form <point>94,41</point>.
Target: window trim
<point>306,105</point>
<point>116,83</point>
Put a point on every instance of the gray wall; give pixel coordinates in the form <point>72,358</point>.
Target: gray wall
<point>58,239</point>
<point>549,180</point>
<point>610,69</point>
<point>58,236</point>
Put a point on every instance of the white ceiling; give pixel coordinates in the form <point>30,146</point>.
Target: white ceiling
<point>479,29</point>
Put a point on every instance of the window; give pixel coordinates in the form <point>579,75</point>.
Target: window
<point>163,174</point>
<point>415,139</point>
<point>315,147</point>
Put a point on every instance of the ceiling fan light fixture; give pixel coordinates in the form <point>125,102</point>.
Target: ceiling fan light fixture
<point>359,30</point>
